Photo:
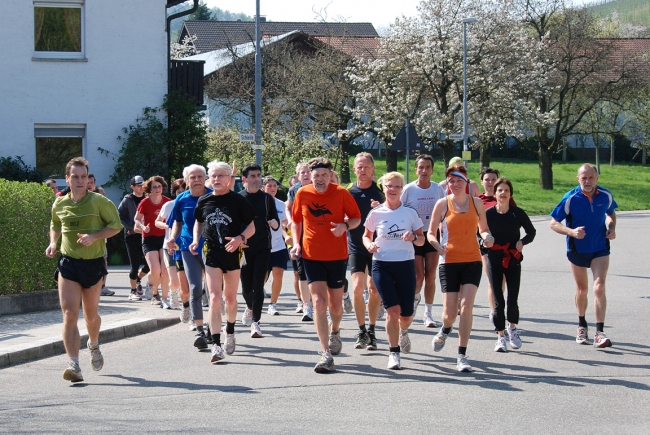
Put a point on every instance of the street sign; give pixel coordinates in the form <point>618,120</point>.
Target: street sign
<point>257,147</point>
<point>456,136</point>
<point>399,144</point>
<point>467,155</point>
<point>247,137</point>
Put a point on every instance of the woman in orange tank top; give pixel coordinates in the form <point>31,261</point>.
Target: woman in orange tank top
<point>458,216</point>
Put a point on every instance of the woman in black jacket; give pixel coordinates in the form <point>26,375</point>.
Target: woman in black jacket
<point>504,259</point>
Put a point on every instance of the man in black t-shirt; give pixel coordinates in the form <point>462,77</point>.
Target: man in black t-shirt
<point>367,194</point>
<point>258,250</point>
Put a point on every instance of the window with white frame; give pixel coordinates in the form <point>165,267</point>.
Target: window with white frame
<point>56,145</point>
<point>59,29</point>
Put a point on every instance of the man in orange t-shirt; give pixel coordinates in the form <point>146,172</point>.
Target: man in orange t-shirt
<point>319,213</point>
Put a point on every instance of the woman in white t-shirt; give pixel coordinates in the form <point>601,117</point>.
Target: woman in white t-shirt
<point>279,255</point>
<point>397,228</point>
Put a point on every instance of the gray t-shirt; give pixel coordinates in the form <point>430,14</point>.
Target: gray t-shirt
<point>422,200</point>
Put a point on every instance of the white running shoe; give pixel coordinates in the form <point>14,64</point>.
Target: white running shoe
<point>185,314</point>
<point>515,340</point>
<point>462,363</point>
<point>192,326</point>
<point>96,358</point>
<point>404,341</point>
<point>416,302</point>
<point>230,342</point>
<point>299,307</point>
<point>73,372</point>
<point>438,341</point>
<point>583,335</point>
<point>165,305</point>
<point>148,293</point>
<point>429,322</point>
<point>175,300</point>
<point>134,297</point>
<point>307,313</point>
<point>273,310</point>
<point>247,317</point>
<point>217,353</point>
<point>325,364</point>
<point>394,361</point>
<point>500,345</point>
<point>347,304</point>
<point>256,331</point>
<point>335,342</point>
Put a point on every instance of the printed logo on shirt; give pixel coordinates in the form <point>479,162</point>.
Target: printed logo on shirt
<point>394,232</point>
<point>217,222</point>
<point>318,210</point>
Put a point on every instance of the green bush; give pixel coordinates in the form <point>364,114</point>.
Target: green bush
<point>15,169</point>
<point>25,222</point>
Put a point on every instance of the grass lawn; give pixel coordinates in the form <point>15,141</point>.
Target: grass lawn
<point>629,183</point>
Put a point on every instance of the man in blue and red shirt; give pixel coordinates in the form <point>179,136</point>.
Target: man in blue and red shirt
<point>590,224</point>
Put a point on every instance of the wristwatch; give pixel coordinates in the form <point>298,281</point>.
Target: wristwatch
<point>243,239</point>
<point>346,225</point>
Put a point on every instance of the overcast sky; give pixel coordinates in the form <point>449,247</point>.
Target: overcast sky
<point>381,13</point>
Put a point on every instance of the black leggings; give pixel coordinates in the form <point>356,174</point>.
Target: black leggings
<point>252,280</point>
<point>513,280</point>
<point>136,257</point>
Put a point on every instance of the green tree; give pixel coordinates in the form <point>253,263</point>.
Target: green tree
<point>203,13</point>
<point>186,133</point>
<point>144,149</point>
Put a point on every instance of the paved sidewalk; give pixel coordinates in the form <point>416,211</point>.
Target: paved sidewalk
<point>30,336</point>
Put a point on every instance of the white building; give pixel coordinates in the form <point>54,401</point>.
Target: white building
<point>74,73</point>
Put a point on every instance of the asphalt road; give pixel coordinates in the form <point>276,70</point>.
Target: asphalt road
<point>158,383</point>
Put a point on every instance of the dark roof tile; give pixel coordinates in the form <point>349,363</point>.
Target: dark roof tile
<point>213,35</point>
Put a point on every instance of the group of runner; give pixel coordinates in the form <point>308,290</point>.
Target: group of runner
<point>391,235</point>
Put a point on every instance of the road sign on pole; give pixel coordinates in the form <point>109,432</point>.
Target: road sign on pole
<point>247,137</point>
<point>456,136</point>
<point>257,147</point>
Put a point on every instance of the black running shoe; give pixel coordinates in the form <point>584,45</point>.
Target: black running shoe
<point>200,342</point>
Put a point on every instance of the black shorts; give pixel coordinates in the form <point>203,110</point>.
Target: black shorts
<point>454,275</point>
<point>152,244</point>
<point>85,272</point>
<point>279,259</point>
<point>332,272</point>
<point>584,260</point>
<point>426,248</point>
<point>219,258</point>
<point>180,267</point>
<point>299,266</point>
<point>360,263</point>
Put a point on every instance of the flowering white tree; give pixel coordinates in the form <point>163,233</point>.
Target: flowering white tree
<point>581,72</point>
<point>184,49</point>
<point>418,74</point>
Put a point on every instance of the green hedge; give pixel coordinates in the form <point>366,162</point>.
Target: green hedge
<point>25,210</point>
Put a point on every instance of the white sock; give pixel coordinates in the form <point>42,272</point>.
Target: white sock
<point>75,359</point>
<point>428,308</point>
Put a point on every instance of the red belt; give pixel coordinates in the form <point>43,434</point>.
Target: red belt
<point>507,253</point>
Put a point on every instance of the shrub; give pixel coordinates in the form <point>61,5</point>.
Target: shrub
<point>17,170</point>
<point>25,222</point>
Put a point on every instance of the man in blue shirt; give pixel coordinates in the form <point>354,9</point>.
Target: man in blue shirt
<point>590,224</point>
